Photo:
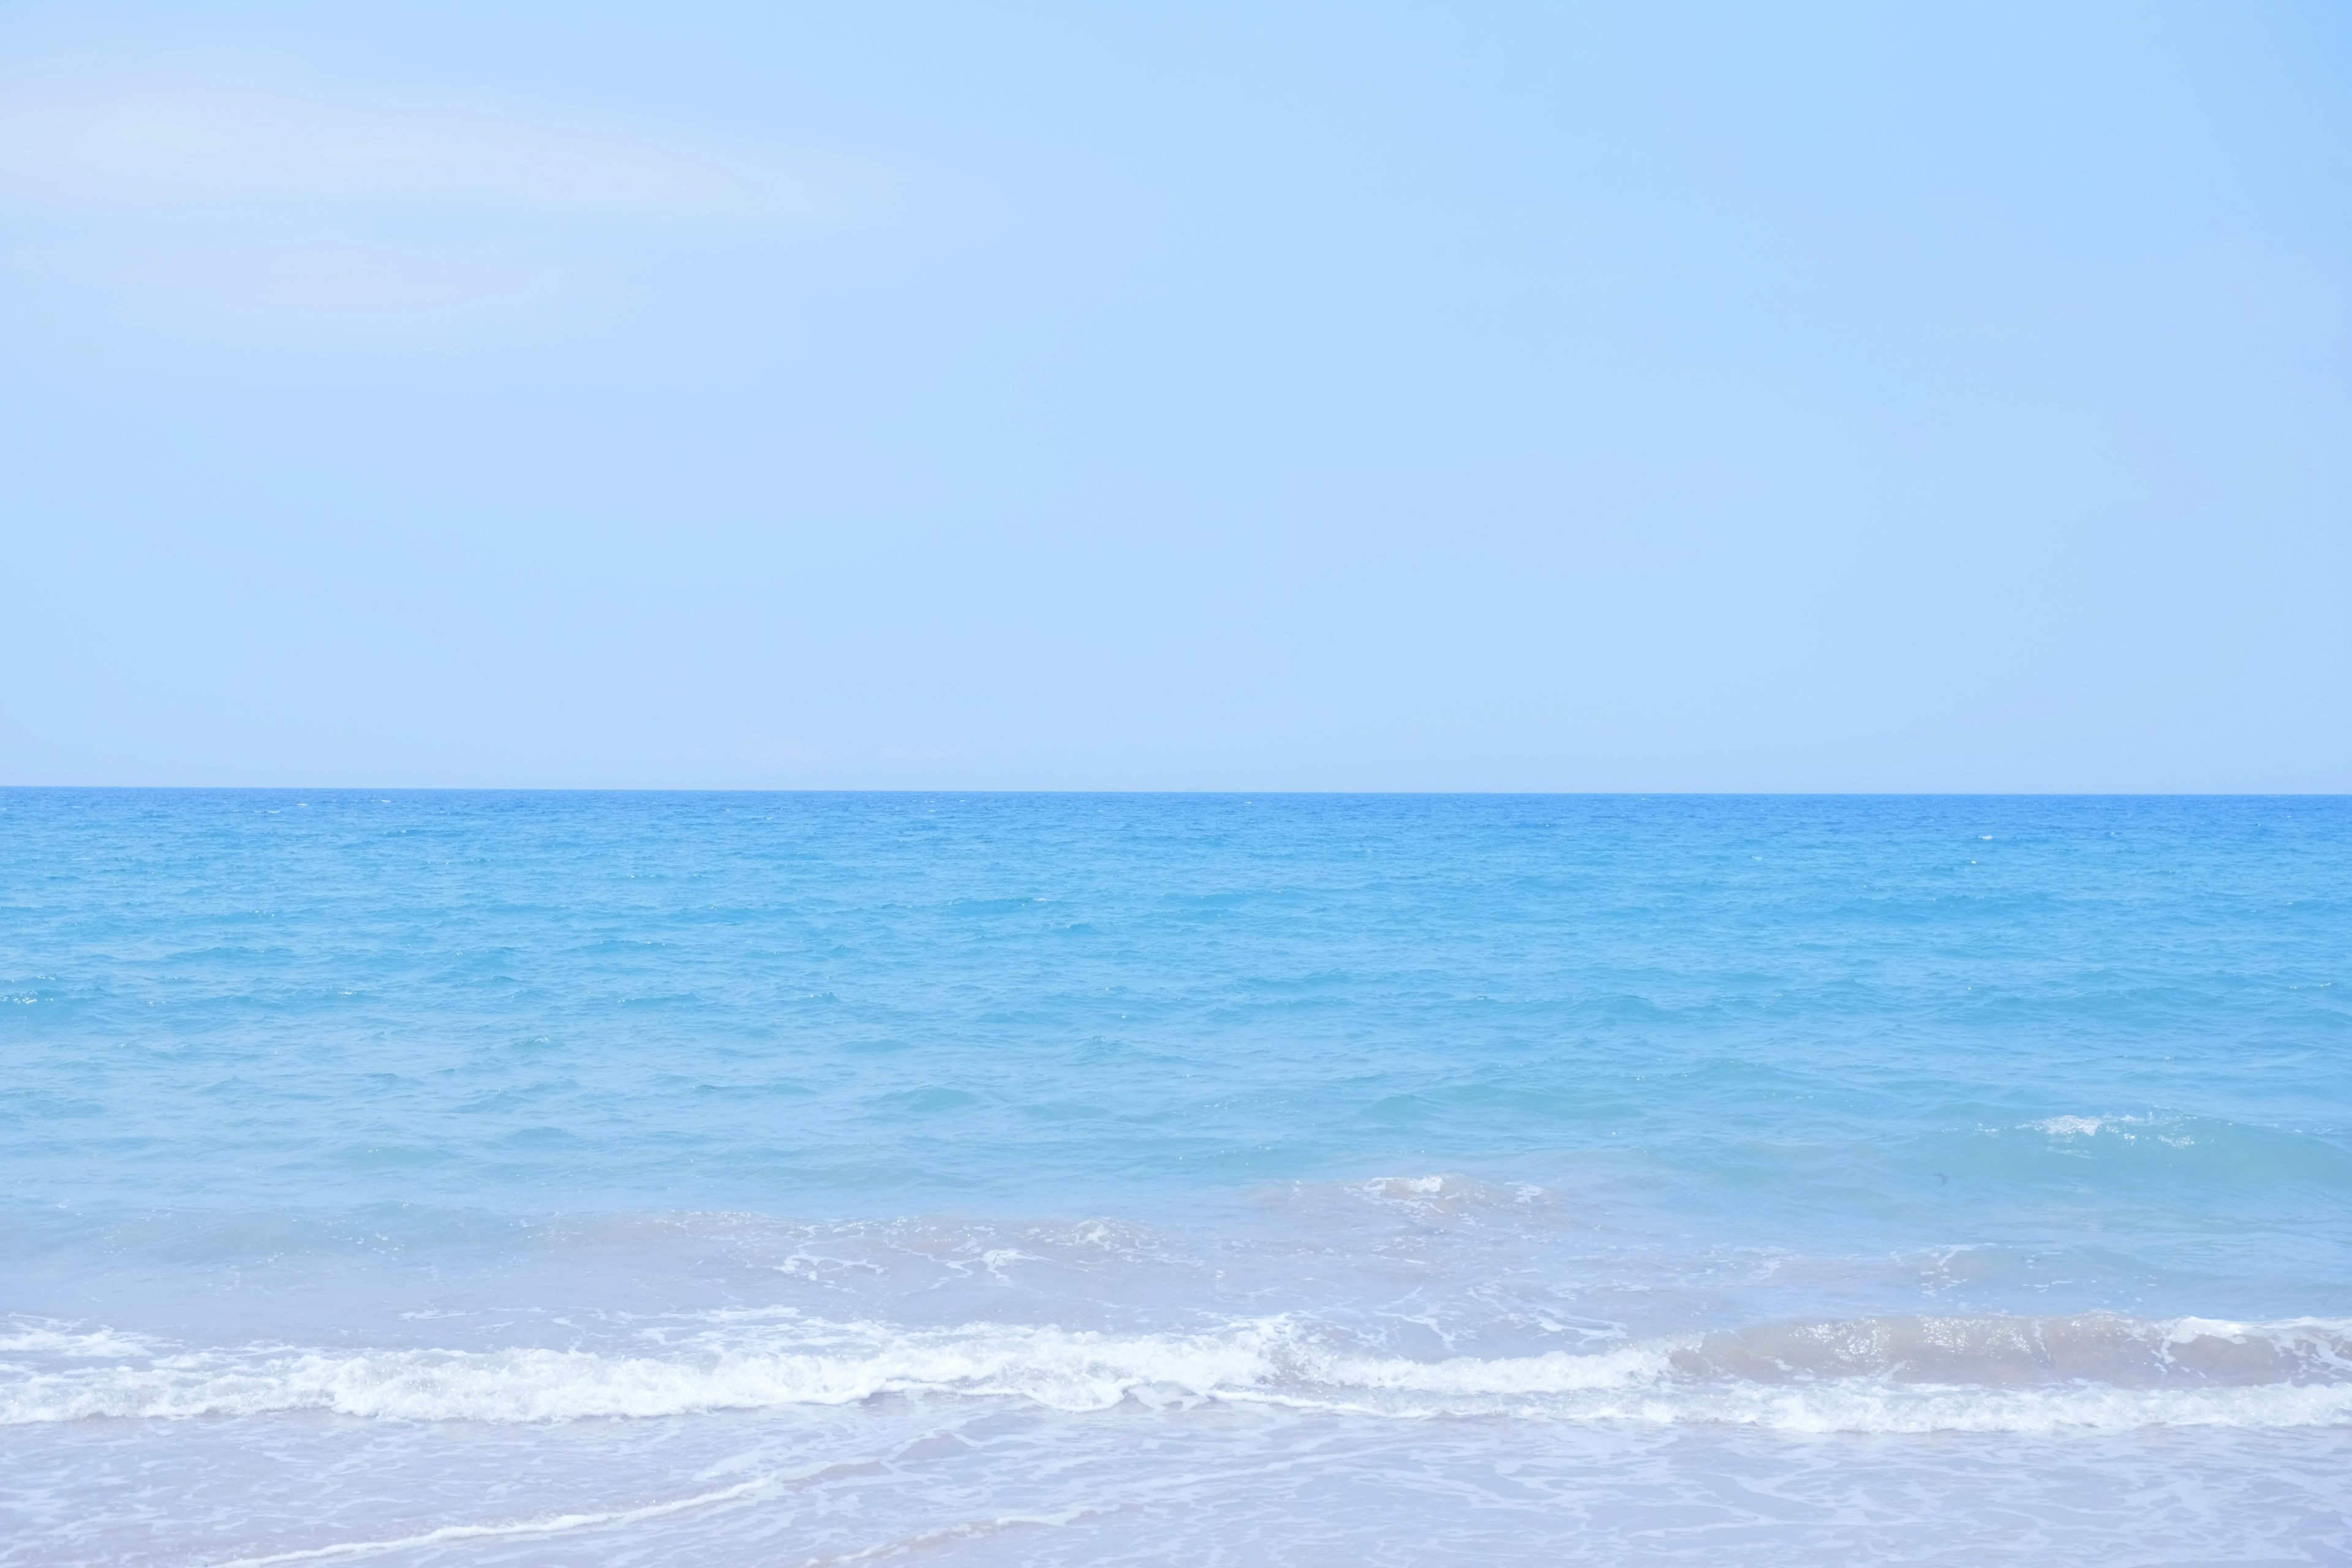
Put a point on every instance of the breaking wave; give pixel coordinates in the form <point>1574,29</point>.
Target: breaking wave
<point>1868,1374</point>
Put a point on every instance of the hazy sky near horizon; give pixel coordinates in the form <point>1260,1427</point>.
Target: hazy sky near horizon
<point>1370,396</point>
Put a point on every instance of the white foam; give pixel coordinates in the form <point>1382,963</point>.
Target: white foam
<point>2112,1126</point>
<point>47,1336</point>
<point>1863,1375</point>
<point>1049,1366</point>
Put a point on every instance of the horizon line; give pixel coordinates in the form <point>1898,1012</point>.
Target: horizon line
<point>1220,792</point>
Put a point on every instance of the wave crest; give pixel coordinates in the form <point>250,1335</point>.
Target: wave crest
<point>1887,1375</point>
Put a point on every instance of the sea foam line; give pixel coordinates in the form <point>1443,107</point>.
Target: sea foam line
<point>554,1526</point>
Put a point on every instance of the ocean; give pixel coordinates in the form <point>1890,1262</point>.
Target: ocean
<point>504,1178</point>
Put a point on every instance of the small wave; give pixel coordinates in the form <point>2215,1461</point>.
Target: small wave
<point>2128,1129</point>
<point>2102,1348</point>
<point>1440,1197</point>
<point>48,1336</point>
<point>2171,1132</point>
<point>1450,1192</point>
<point>1889,1374</point>
<point>831,1364</point>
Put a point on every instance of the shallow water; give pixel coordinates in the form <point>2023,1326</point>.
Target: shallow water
<point>555,1178</point>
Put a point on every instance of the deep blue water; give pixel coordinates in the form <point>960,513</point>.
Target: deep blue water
<point>1640,1178</point>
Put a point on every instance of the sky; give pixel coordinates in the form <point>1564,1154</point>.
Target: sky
<point>1365,396</point>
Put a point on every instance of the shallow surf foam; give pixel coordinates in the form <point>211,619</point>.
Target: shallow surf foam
<point>1872,1375</point>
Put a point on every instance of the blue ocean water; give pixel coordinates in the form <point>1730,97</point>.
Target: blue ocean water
<point>474,1178</point>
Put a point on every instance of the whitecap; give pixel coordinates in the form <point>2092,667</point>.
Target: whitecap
<point>1893,1374</point>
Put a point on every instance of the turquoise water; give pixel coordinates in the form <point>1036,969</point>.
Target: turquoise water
<point>457,1177</point>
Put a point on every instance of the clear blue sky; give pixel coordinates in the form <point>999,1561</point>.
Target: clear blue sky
<point>1482,396</point>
